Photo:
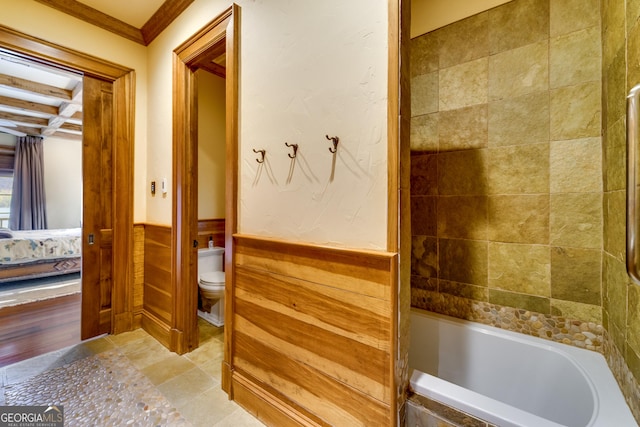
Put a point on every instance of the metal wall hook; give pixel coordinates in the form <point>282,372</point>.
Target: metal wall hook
<point>335,140</point>
<point>295,150</point>
<point>262,153</point>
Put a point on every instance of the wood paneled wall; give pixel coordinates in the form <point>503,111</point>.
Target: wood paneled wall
<point>210,229</point>
<point>312,333</point>
<point>153,295</point>
<point>157,312</point>
<point>138,274</point>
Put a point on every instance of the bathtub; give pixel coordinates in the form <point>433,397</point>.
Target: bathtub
<point>511,379</point>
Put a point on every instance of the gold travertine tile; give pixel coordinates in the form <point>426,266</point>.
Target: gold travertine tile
<point>519,218</point>
<point>424,94</point>
<point>576,275</point>
<point>614,90</point>
<point>424,54</point>
<point>507,24</point>
<point>463,128</point>
<point>462,173</point>
<point>520,120</point>
<point>424,256</point>
<point>519,71</point>
<point>464,40</point>
<point>424,176</point>
<point>614,223</point>
<point>521,301</point>
<point>424,133</point>
<point>181,389</point>
<point>633,57</point>
<point>576,310</point>
<point>614,34</point>
<point>632,359</point>
<point>576,111</point>
<point>615,152</point>
<point>633,320</point>
<point>462,85</point>
<point>576,220</point>
<point>633,12</point>
<point>520,268</point>
<point>614,274</point>
<point>463,261</point>
<point>464,290</point>
<point>575,58</point>
<point>567,16</point>
<point>520,169</point>
<point>169,367</point>
<point>423,215</point>
<point>463,217</point>
<point>576,166</point>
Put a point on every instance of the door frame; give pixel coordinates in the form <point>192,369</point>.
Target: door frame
<point>123,80</point>
<point>221,31</point>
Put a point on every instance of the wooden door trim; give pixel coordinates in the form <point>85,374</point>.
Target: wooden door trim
<point>223,29</point>
<point>123,80</point>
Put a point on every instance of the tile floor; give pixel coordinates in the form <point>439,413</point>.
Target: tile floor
<point>139,372</point>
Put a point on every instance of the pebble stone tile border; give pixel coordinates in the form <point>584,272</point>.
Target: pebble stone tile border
<point>100,390</point>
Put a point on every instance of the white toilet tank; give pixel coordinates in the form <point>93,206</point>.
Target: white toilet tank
<point>210,259</point>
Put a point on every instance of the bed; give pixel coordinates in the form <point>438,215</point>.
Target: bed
<point>39,253</point>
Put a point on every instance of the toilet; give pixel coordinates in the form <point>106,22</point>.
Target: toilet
<point>211,285</point>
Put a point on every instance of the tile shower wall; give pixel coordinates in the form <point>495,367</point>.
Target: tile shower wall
<point>517,200</point>
<point>621,299</point>
<point>506,159</point>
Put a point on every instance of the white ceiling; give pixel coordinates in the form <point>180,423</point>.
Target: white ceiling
<point>34,118</point>
<point>133,12</point>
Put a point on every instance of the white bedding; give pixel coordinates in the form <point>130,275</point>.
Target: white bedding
<point>33,245</point>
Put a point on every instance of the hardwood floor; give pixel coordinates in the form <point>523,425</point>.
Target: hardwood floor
<point>38,327</point>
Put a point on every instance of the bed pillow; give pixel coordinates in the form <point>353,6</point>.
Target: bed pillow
<point>5,233</point>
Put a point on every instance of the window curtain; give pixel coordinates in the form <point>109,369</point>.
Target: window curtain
<point>28,210</point>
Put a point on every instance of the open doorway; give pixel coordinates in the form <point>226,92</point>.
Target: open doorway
<point>40,206</point>
<point>107,100</point>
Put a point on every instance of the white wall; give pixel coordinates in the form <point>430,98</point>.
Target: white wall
<point>63,182</point>
<point>307,69</point>
<point>46,23</point>
<point>211,145</point>
<point>428,15</point>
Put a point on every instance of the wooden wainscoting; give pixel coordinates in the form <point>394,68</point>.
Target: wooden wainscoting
<point>138,274</point>
<point>210,229</point>
<point>313,334</point>
<point>157,314</point>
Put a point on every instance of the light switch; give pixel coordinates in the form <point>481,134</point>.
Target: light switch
<point>164,185</point>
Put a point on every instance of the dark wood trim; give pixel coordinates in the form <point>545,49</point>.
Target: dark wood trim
<point>97,18</point>
<point>185,139</point>
<point>164,16</point>
<point>123,275</point>
<point>52,54</point>
<point>161,19</point>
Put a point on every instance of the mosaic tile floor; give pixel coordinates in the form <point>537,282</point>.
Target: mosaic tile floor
<point>128,379</point>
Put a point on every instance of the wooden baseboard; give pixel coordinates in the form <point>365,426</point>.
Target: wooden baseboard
<point>266,406</point>
<point>156,328</point>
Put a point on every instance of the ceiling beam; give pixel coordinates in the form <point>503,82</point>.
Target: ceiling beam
<point>38,88</point>
<point>97,18</point>
<point>24,120</point>
<point>20,104</point>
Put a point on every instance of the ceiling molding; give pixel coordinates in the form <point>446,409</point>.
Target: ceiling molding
<point>97,18</point>
<point>165,15</point>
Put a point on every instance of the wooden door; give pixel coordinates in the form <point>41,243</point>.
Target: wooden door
<point>97,228</point>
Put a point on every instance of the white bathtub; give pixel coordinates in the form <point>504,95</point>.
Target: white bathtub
<point>512,379</point>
